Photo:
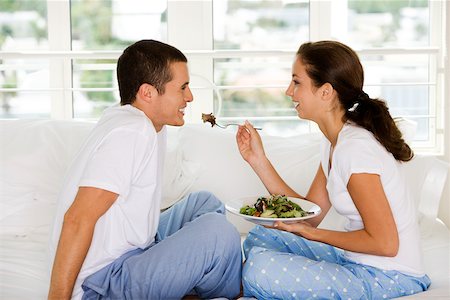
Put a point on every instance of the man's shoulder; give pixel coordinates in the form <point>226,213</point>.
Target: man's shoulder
<point>125,118</point>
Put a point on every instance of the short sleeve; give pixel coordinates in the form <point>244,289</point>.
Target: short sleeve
<point>116,160</point>
<point>355,157</point>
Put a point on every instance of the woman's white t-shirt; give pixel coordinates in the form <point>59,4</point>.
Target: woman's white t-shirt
<point>358,151</point>
<point>123,154</point>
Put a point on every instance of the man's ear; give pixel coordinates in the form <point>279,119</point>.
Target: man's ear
<point>146,92</point>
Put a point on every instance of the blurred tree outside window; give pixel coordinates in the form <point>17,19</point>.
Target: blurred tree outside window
<point>23,26</point>
<point>108,25</point>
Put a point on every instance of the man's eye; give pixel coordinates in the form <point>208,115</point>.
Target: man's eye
<point>296,82</point>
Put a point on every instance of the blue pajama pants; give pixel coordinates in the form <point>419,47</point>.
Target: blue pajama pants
<point>196,251</point>
<point>281,265</point>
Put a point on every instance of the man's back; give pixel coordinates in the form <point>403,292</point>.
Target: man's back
<point>123,154</point>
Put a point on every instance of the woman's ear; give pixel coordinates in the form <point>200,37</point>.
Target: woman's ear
<point>327,91</point>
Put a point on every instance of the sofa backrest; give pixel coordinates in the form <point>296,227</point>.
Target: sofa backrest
<point>35,155</point>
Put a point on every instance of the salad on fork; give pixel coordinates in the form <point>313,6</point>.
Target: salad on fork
<point>210,118</point>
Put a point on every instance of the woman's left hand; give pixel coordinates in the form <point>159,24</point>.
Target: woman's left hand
<point>301,228</point>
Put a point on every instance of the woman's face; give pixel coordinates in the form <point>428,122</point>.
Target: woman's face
<point>302,92</point>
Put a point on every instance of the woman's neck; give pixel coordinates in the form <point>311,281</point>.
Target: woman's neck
<point>331,127</point>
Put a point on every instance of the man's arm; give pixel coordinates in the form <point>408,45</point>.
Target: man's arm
<point>76,236</point>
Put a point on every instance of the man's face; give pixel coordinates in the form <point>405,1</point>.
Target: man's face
<point>170,106</point>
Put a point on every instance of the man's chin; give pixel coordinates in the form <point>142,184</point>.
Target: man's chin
<point>177,123</point>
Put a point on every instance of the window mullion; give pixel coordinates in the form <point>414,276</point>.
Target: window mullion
<point>320,19</point>
<point>60,74</point>
<point>190,27</point>
<point>437,72</point>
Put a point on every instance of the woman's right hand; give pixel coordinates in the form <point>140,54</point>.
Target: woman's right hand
<point>249,143</point>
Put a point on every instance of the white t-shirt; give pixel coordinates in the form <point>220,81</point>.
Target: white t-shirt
<point>358,151</point>
<point>123,154</point>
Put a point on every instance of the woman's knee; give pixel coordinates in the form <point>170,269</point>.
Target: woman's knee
<point>254,274</point>
<point>257,238</point>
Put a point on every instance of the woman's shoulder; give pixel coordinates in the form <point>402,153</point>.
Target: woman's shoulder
<point>356,139</point>
<point>352,131</point>
<point>357,142</point>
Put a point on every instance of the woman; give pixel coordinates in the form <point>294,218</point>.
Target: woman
<point>378,255</point>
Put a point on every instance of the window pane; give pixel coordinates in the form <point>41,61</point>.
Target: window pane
<point>253,88</point>
<point>24,88</point>
<point>253,71</point>
<point>23,25</point>
<point>25,104</point>
<point>260,24</point>
<point>95,86</point>
<point>259,102</point>
<point>112,25</point>
<point>381,23</point>
<point>403,82</point>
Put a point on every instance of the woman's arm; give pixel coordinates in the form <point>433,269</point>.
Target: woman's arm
<point>379,235</point>
<point>318,194</point>
<point>76,236</point>
<point>251,148</point>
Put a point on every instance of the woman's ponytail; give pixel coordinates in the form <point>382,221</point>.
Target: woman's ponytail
<point>373,115</point>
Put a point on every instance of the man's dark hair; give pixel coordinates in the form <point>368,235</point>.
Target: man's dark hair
<point>146,61</point>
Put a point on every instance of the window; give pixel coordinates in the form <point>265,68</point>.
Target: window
<point>58,58</point>
<point>23,26</point>
<point>117,24</point>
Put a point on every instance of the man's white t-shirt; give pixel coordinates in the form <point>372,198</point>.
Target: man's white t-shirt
<point>123,154</point>
<point>358,151</point>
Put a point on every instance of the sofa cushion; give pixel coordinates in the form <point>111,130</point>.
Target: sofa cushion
<point>179,175</point>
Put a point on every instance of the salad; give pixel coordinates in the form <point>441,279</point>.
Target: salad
<point>275,206</point>
<point>209,118</point>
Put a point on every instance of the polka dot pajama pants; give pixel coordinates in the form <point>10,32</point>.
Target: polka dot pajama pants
<point>281,265</point>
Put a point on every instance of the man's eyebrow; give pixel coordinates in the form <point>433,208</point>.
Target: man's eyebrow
<point>185,84</point>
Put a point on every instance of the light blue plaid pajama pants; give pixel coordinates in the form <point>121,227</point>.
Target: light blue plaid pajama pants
<point>281,265</point>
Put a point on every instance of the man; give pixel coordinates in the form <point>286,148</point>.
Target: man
<point>113,242</point>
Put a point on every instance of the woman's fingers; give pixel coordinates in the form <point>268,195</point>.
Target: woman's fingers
<point>250,127</point>
<point>282,226</point>
<point>296,228</point>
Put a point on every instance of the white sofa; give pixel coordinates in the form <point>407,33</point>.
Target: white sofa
<point>36,153</point>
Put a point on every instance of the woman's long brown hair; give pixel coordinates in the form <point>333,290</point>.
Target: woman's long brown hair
<point>335,63</point>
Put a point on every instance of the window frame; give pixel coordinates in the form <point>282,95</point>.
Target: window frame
<point>199,50</point>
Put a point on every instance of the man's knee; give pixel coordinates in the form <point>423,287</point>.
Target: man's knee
<point>209,200</point>
<point>217,228</point>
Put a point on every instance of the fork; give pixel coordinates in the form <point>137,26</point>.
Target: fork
<point>235,124</point>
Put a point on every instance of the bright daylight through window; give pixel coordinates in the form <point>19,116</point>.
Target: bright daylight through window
<point>58,58</point>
